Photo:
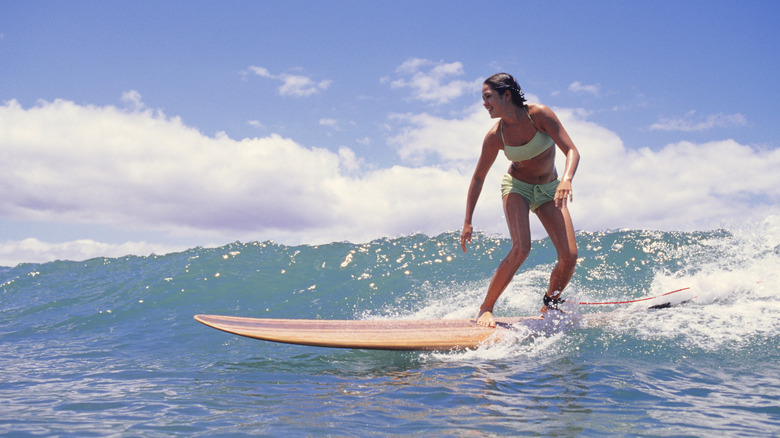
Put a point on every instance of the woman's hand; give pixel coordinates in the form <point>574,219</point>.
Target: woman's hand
<point>465,235</point>
<point>563,193</point>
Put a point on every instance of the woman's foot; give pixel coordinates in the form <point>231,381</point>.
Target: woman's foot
<point>485,318</point>
<point>551,303</point>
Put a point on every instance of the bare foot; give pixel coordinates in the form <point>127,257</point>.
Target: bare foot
<point>485,318</point>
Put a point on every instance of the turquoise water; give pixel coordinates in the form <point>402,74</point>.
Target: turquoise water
<point>108,346</point>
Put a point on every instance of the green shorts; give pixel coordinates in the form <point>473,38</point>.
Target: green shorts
<point>536,195</point>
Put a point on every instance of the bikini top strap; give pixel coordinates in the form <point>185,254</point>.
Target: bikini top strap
<point>525,107</point>
<point>501,124</point>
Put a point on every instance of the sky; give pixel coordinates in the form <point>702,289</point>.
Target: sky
<point>139,127</point>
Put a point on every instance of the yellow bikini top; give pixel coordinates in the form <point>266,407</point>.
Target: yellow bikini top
<point>540,143</point>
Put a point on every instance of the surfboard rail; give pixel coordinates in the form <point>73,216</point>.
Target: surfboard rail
<point>380,334</point>
<point>407,334</point>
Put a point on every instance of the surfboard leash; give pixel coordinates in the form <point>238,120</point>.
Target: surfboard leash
<point>638,299</point>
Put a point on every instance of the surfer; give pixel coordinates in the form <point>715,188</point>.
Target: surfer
<point>530,185</point>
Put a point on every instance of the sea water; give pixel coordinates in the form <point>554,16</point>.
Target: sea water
<point>108,346</point>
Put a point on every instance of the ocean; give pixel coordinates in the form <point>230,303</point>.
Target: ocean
<point>109,346</point>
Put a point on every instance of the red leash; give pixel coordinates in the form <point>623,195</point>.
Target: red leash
<point>641,299</point>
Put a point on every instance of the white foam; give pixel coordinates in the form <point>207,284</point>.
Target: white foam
<point>736,289</point>
<point>732,300</point>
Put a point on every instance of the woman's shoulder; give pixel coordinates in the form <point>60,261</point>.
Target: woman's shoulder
<point>493,137</point>
<point>538,108</point>
<point>493,131</point>
<point>542,115</point>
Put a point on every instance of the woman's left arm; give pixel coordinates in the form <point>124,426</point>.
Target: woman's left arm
<point>549,123</point>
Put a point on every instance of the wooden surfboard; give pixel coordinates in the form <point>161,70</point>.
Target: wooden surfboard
<point>405,334</point>
<point>442,334</point>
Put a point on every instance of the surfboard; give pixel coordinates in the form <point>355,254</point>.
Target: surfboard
<point>441,334</point>
<point>405,334</point>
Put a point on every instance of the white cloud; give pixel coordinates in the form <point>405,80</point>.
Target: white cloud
<point>682,186</point>
<point>142,170</point>
<point>293,85</point>
<point>35,251</point>
<point>433,81</point>
<point>132,98</point>
<point>689,123</point>
<point>261,71</point>
<point>256,124</point>
<point>349,161</point>
<point>580,88</point>
<point>426,138</point>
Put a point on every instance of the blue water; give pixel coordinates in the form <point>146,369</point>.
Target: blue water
<point>108,347</point>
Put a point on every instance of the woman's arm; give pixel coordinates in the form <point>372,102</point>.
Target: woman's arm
<point>549,123</point>
<point>486,159</point>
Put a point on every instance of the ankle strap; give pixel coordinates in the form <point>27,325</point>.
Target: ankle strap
<point>552,303</point>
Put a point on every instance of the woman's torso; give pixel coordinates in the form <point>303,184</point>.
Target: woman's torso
<point>533,161</point>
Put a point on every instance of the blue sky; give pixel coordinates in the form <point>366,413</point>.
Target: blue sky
<point>139,127</point>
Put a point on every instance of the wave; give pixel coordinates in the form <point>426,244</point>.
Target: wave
<point>149,301</point>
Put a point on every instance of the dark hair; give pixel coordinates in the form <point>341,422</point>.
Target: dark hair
<point>502,82</point>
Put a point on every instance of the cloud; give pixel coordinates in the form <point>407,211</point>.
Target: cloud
<point>688,123</point>
<point>333,123</point>
<point>132,99</point>
<point>680,187</point>
<point>293,85</point>
<point>32,250</point>
<point>433,82</point>
<point>65,162</point>
<point>580,88</point>
<point>424,138</point>
<point>142,170</point>
<point>256,124</point>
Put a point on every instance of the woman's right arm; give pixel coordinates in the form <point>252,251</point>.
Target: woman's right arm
<point>486,159</point>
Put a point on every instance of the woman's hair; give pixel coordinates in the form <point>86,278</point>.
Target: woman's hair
<point>502,82</point>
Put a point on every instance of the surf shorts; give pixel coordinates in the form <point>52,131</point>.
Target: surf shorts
<point>535,194</point>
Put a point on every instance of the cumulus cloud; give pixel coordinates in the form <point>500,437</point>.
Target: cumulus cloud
<point>144,170</point>
<point>682,186</point>
<point>580,88</point>
<point>433,82</point>
<point>140,169</point>
<point>425,138</point>
<point>293,84</point>
<point>690,123</point>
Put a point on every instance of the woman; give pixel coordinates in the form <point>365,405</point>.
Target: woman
<point>531,185</point>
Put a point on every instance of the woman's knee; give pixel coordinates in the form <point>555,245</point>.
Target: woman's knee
<point>569,259</point>
<point>518,254</point>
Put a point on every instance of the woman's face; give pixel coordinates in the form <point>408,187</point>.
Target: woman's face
<point>492,101</point>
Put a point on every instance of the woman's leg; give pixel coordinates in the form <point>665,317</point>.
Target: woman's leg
<point>557,222</point>
<point>516,211</point>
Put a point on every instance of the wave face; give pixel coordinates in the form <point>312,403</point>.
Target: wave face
<point>109,346</point>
